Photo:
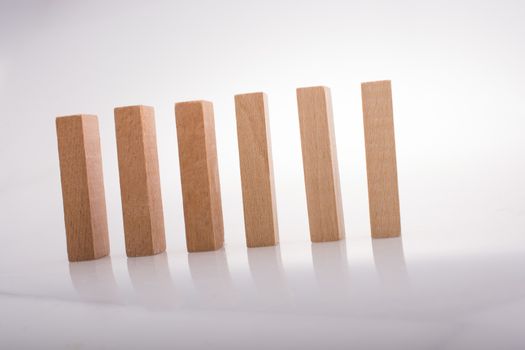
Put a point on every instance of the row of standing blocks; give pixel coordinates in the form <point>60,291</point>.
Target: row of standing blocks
<point>83,186</point>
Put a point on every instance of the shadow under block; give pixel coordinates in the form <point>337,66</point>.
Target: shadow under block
<point>140,181</point>
<point>199,173</point>
<point>321,173</point>
<point>383,197</point>
<point>82,187</point>
<point>258,190</point>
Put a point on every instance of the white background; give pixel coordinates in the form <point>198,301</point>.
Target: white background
<point>457,71</point>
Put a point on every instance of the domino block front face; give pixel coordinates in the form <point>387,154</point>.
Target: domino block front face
<point>82,187</point>
<point>140,180</point>
<point>201,192</point>
<point>381,165</point>
<point>321,173</point>
<point>253,134</point>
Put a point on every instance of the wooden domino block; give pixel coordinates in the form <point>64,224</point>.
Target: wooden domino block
<point>199,173</point>
<point>381,165</point>
<point>139,180</point>
<point>255,156</point>
<point>82,187</point>
<point>321,173</point>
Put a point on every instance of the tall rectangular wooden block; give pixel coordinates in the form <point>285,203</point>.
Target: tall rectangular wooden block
<point>199,173</point>
<point>321,173</point>
<point>140,180</point>
<point>381,165</point>
<point>82,187</point>
<point>258,192</point>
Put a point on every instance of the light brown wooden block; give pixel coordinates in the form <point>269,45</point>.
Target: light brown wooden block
<point>381,165</point>
<point>199,172</point>
<point>321,173</point>
<point>82,187</point>
<point>139,180</point>
<point>255,156</point>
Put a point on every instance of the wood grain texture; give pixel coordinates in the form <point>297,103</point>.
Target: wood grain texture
<point>255,156</point>
<point>82,187</point>
<point>321,173</point>
<point>140,180</point>
<point>201,191</point>
<point>383,196</point>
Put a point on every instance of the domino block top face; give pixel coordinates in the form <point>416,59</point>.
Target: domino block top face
<point>199,175</point>
<point>381,159</point>
<point>140,180</point>
<point>82,187</point>
<point>253,134</point>
<point>321,172</point>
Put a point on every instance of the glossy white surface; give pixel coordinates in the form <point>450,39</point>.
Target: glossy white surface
<point>297,296</point>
